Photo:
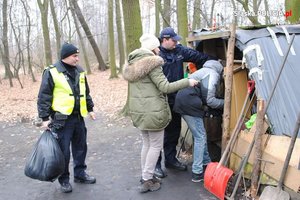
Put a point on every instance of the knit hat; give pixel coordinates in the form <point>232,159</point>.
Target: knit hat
<point>149,41</point>
<point>68,49</point>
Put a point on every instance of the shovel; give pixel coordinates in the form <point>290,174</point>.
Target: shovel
<point>276,193</point>
<point>216,176</point>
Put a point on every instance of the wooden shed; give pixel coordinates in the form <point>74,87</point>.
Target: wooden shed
<point>257,54</point>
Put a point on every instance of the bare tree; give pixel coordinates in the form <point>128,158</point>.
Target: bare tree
<point>89,35</point>
<point>182,19</point>
<point>267,17</point>
<point>5,52</point>
<point>212,18</point>
<point>86,60</point>
<point>56,28</point>
<point>132,13</point>
<point>47,45</point>
<point>28,30</point>
<point>120,35</point>
<point>131,10</point>
<point>167,13</point>
<point>252,18</point>
<point>197,15</point>
<point>112,57</point>
<point>19,57</point>
<point>157,21</point>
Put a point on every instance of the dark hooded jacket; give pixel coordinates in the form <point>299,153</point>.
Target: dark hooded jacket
<point>190,101</point>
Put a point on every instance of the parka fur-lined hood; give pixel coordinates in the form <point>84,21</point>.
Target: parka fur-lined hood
<point>141,63</point>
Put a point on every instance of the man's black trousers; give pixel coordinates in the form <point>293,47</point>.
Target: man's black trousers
<point>171,136</point>
<point>73,133</point>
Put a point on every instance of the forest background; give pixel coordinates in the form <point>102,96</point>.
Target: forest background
<point>32,32</point>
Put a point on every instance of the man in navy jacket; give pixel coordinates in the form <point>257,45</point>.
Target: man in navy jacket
<point>174,55</point>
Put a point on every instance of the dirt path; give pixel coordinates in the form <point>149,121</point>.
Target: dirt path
<point>113,158</point>
<point>113,150</point>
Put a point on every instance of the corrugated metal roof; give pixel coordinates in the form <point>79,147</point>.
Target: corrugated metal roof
<point>285,104</point>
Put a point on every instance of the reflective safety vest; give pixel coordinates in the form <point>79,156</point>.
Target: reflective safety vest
<point>63,97</point>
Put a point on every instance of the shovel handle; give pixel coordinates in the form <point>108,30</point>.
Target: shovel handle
<point>235,131</point>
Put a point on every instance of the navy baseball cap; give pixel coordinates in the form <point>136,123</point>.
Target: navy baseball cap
<point>169,32</point>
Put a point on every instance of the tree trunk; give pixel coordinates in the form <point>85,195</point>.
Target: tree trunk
<point>212,18</point>
<point>133,31</point>
<point>253,19</point>
<point>89,35</point>
<point>120,36</point>
<point>267,17</point>
<point>228,87</point>
<point>167,13</point>
<point>86,60</point>
<point>44,15</point>
<point>56,28</point>
<point>196,15</point>
<point>25,5</point>
<point>235,9</point>
<point>19,58</point>
<point>157,11</point>
<point>112,57</point>
<point>182,20</point>
<point>5,53</point>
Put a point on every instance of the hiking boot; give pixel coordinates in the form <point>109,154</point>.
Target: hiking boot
<point>66,187</point>
<point>197,177</point>
<point>86,179</point>
<point>159,173</point>
<point>149,186</point>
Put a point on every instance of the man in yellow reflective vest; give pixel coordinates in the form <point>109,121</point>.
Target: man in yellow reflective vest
<point>64,98</point>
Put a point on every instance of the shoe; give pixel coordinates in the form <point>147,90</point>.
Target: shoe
<point>149,186</point>
<point>176,165</point>
<point>86,179</point>
<point>197,177</point>
<point>66,187</point>
<point>154,179</point>
<point>204,168</point>
<point>159,173</point>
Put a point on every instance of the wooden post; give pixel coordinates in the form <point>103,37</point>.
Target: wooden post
<point>228,73</point>
<point>258,151</point>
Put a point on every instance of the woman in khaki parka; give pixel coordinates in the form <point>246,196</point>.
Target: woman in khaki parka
<point>147,103</point>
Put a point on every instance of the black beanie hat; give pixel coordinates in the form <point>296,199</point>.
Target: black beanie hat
<point>68,49</point>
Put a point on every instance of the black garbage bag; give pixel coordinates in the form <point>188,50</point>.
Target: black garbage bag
<point>46,161</point>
